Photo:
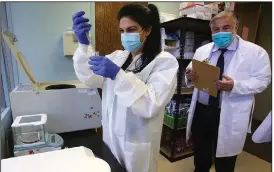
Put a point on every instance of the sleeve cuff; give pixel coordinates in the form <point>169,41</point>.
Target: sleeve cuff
<point>233,91</point>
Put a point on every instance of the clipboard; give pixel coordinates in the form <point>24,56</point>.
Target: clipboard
<point>208,74</point>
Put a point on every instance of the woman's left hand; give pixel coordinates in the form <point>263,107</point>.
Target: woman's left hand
<point>103,66</point>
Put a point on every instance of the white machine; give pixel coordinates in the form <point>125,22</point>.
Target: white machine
<point>30,137</point>
<point>78,159</point>
<point>69,105</point>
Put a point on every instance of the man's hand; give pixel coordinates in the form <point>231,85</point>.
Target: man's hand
<point>191,75</point>
<point>226,84</point>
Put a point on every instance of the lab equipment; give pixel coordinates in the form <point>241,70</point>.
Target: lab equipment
<point>30,137</point>
<point>104,67</point>
<point>81,27</point>
<point>69,105</point>
<point>78,159</point>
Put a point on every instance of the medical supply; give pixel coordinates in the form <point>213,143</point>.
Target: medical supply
<point>197,11</point>
<point>78,159</point>
<point>165,17</point>
<point>189,4</point>
<point>132,41</point>
<point>222,39</point>
<point>30,137</point>
<point>69,105</point>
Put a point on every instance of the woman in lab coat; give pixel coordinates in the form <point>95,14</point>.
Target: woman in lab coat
<point>137,84</point>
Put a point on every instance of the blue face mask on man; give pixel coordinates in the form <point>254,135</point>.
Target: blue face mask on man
<point>222,39</point>
<point>131,41</point>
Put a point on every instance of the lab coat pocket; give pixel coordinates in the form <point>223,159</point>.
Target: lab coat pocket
<point>137,157</point>
<point>240,122</point>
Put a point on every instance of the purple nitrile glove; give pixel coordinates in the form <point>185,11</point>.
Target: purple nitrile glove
<point>81,27</point>
<point>103,66</point>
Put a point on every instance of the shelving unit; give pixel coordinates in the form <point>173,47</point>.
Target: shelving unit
<point>174,128</point>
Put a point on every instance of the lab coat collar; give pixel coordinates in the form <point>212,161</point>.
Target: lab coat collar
<point>232,47</point>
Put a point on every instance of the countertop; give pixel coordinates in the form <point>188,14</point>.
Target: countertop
<point>90,139</point>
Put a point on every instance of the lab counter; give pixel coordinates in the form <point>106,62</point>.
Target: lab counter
<point>90,139</point>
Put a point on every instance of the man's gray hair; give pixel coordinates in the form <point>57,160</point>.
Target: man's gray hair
<point>225,13</point>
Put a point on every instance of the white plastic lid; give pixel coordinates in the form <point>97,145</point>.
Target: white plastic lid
<point>28,120</point>
<point>78,159</point>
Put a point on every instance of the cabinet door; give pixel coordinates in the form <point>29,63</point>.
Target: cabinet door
<point>248,15</point>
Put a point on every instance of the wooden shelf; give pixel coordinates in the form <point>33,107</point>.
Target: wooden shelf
<point>166,152</point>
<point>170,39</point>
<point>173,128</point>
<point>171,48</point>
<point>195,25</point>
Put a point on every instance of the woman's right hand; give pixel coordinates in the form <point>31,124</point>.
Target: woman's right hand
<point>81,27</point>
<point>191,75</point>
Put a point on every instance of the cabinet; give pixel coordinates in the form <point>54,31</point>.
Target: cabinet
<point>181,37</point>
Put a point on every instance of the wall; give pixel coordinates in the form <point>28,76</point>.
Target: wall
<point>39,27</point>
<point>264,39</point>
<point>168,7</point>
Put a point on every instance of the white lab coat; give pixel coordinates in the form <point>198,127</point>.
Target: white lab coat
<point>132,106</point>
<point>250,70</point>
<point>264,132</point>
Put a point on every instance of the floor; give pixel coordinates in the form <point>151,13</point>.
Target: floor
<point>245,163</point>
<point>263,150</point>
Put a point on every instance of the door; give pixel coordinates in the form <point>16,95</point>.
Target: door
<point>107,34</point>
<point>248,14</point>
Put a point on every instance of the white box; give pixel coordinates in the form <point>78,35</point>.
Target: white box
<point>188,4</point>
<point>165,17</point>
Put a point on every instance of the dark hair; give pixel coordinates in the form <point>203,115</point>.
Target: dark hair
<point>146,17</point>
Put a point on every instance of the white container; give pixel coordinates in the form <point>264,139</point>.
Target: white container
<point>187,4</point>
<point>197,12</point>
<point>165,17</point>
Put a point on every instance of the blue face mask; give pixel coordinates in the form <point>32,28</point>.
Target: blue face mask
<point>222,39</point>
<point>131,41</point>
